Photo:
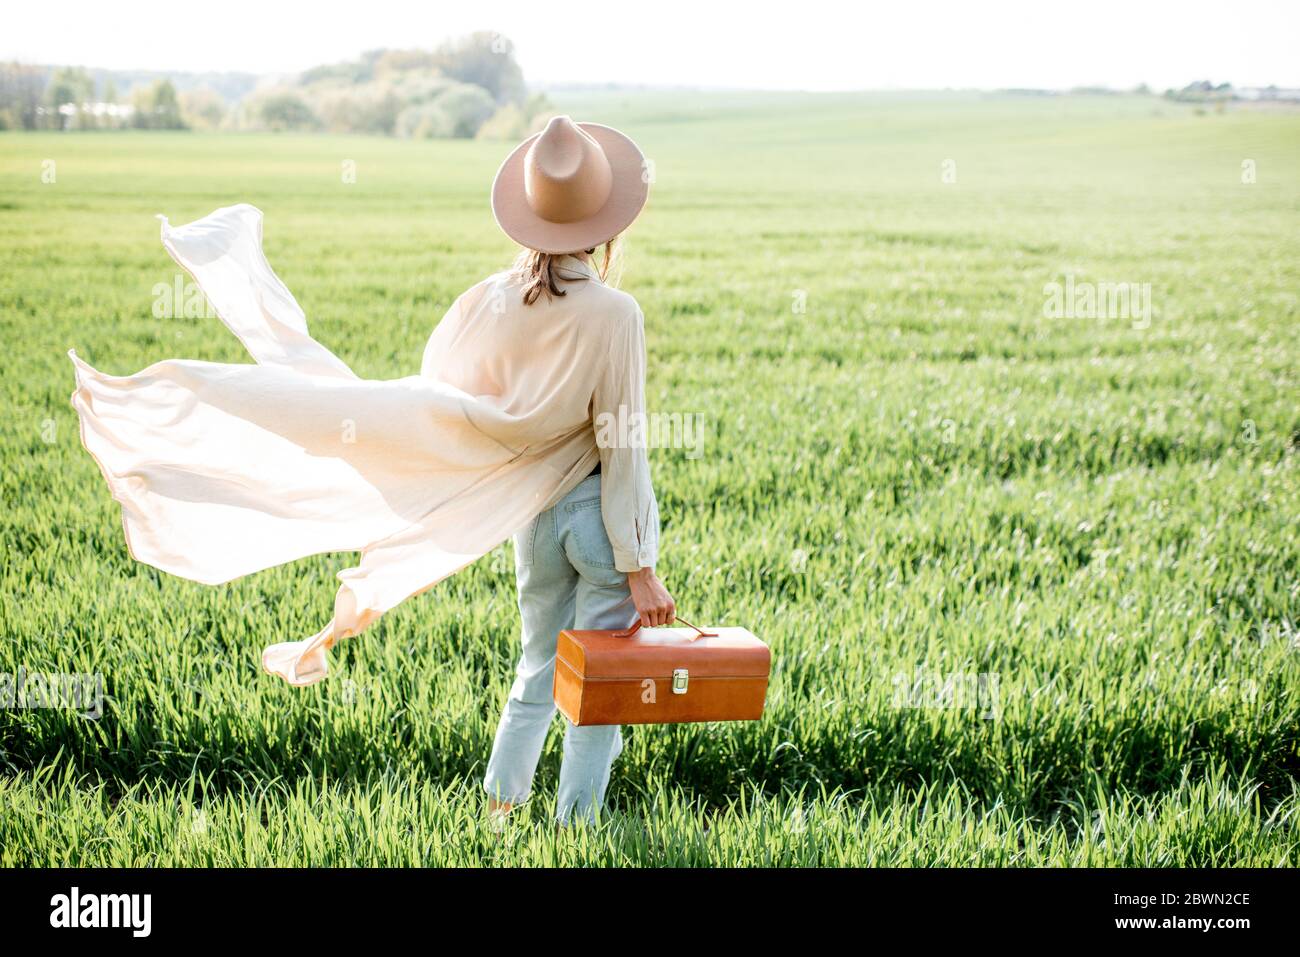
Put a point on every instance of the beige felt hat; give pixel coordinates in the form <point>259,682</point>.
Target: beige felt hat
<point>570,187</point>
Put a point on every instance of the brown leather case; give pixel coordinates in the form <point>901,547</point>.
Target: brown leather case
<point>660,676</point>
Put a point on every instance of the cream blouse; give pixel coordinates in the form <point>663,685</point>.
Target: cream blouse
<point>226,469</point>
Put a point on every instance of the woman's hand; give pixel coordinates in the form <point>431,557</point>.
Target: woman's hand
<point>651,598</point>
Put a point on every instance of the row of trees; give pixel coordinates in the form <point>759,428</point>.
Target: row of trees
<point>1202,91</point>
<point>70,101</point>
<point>465,88</point>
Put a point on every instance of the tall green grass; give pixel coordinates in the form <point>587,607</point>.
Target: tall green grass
<point>911,473</point>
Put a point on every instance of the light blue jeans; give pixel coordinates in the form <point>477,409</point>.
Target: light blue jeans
<point>564,566</point>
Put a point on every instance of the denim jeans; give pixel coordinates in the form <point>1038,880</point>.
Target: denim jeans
<point>564,566</point>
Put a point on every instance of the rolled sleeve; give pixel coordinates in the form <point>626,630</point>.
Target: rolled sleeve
<point>627,498</point>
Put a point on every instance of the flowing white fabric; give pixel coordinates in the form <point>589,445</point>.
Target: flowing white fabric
<point>226,469</point>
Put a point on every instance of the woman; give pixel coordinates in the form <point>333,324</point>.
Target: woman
<point>562,194</point>
<point>226,469</point>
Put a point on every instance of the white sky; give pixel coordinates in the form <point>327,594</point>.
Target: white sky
<point>806,44</point>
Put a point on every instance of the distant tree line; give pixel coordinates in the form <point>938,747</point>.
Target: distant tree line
<point>1202,91</point>
<point>468,87</point>
<point>68,100</point>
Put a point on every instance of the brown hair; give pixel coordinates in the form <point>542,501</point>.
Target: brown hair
<point>536,270</point>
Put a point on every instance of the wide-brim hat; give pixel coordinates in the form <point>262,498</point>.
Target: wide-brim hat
<point>570,187</point>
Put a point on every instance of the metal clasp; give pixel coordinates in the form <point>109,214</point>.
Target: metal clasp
<point>681,678</point>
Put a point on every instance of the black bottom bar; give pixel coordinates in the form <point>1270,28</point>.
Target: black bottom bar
<point>507,908</point>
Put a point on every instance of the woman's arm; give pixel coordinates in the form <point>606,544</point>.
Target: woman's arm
<point>628,504</point>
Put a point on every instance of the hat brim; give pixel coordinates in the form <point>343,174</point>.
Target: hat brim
<point>627,195</point>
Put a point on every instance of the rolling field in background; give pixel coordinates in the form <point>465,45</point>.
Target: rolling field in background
<point>1031,581</point>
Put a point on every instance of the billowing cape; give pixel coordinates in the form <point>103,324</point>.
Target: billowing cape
<point>226,469</point>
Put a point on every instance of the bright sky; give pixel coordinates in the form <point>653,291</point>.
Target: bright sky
<point>809,44</point>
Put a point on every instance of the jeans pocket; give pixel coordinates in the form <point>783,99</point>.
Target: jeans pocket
<point>587,543</point>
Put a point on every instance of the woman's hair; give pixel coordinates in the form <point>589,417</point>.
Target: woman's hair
<point>537,270</point>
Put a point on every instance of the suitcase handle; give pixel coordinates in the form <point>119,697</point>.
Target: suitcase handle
<point>636,627</point>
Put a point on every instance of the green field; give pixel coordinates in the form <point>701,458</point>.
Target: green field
<point>912,475</point>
